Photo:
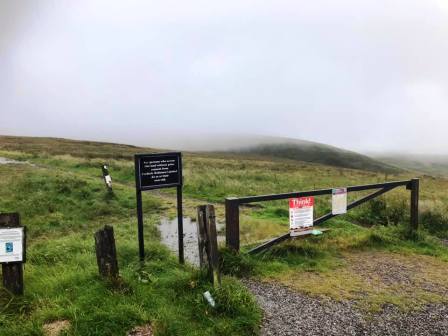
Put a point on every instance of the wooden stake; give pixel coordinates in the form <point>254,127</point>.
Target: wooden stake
<point>106,254</point>
<point>202,236</point>
<point>212,244</point>
<point>207,242</point>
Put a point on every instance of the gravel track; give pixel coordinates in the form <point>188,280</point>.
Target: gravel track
<point>287,312</point>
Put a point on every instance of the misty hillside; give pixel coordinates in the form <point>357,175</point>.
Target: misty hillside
<point>436,165</point>
<point>307,151</point>
<point>273,147</point>
<point>268,147</point>
<point>76,148</point>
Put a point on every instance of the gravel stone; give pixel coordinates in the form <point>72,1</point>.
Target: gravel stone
<point>287,312</point>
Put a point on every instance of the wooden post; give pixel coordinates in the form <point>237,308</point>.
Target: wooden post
<point>13,277</point>
<point>180,224</point>
<point>213,255</point>
<point>12,272</point>
<point>415,191</point>
<point>208,242</point>
<point>232,224</point>
<point>141,238</point>
<point>106,254</point>
<point>202,235</point>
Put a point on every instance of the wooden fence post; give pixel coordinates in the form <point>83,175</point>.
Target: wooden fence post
<point>415,191</point>
<point>12,272</point>
<point>232,224</point>
<point>202,235</point>
<point>106,254</point>
<point>208,242</point>
<point>212,236</point>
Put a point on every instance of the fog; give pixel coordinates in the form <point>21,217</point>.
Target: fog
<point>362,75</point>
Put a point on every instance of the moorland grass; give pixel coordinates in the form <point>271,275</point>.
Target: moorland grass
<point>62,210</point>
<point>63,200</point>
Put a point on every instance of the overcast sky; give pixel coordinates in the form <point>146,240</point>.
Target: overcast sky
<point>363,75</point>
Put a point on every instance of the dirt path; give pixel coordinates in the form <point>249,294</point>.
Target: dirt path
<point>287,312</point>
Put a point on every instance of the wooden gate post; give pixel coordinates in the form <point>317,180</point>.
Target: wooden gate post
<point>415,191</point>
<point>106,254</point>
<point>232,224</point>
<point>12,272</point>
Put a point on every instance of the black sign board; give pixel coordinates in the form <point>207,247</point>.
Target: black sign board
<point>155,171</point>
<point>159,170</point>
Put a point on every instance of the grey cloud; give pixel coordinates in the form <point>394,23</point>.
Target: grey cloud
<point>368,75</point>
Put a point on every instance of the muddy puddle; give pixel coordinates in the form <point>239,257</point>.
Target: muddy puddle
<point>168,234</point>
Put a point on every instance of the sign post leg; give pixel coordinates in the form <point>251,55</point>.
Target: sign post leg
<point>180,224</point>
<point>13,277</point>
<point>141,241</point>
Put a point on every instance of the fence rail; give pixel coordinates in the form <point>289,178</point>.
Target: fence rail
<point>232,205</point>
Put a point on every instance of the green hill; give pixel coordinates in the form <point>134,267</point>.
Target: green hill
<point>256,146</point>
<point>277,147</point>
<point>318,153</point>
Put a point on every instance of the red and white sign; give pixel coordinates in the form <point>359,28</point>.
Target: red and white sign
<point>301,214</point>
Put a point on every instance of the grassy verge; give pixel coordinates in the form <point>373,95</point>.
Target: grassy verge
<point>62,210</point>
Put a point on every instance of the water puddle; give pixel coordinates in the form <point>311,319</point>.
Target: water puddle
<point>168,234</point>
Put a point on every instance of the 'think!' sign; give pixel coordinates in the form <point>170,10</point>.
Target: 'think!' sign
<point>156,171</point>
<point>301,216</point>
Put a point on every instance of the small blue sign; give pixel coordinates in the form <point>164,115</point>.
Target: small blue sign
<point>9,247</point>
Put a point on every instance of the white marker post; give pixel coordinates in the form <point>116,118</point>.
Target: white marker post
<point>106,176</point>
<point>339,201</point>
<point>301,214</point>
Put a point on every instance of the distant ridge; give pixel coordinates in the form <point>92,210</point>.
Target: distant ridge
<point>286,148</point>
<point>308,151</point>
<point>435,165</point>
<point>267,147</point>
